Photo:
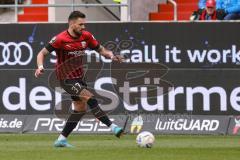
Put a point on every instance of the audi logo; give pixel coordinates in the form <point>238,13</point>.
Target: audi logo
<point>13,53</point>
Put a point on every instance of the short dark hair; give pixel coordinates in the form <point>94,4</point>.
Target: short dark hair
<point>75,15</point>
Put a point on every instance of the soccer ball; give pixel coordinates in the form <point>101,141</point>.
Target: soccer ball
<point>145,139</point>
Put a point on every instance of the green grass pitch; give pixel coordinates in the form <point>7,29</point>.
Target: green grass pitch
<point>107,147</point>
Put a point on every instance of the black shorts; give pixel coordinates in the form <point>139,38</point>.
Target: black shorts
<point>74,87</point>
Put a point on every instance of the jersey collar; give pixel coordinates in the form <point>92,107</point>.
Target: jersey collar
<point>72,36</point>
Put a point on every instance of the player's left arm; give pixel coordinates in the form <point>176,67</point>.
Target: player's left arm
<point>109,54</point>
<point>95,45</point>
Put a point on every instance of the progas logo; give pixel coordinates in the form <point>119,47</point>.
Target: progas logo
<point>76,53</point>
<point>13,53</point>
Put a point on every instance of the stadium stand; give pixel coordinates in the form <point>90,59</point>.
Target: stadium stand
<point>166,11</point>
<point>11,1</point>
<point>36,14</point>
<point>7,14</point>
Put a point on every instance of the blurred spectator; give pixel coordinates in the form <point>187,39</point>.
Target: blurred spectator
<point>231,8</point>
<point>209,12</point>
<point>202,4</point>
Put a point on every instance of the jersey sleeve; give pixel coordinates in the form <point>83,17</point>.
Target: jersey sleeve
<point>53,44</point>
<point>93,43</point>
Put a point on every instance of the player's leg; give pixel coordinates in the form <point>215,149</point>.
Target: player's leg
<point>92,102</point>
<point>81,96</point>
<point>72,87</point>
<point>72,121</point>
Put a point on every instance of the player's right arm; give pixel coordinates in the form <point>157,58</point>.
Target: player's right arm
<point>53,45</point>
<point>40,60</point>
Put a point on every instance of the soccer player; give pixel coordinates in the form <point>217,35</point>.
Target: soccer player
<point>70,46</point>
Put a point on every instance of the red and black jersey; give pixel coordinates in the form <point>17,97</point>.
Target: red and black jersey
<point>70,52</point>
<point>205,16</point>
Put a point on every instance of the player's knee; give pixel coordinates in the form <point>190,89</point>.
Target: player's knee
<point>80,106</point>
<point>86,94</point>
